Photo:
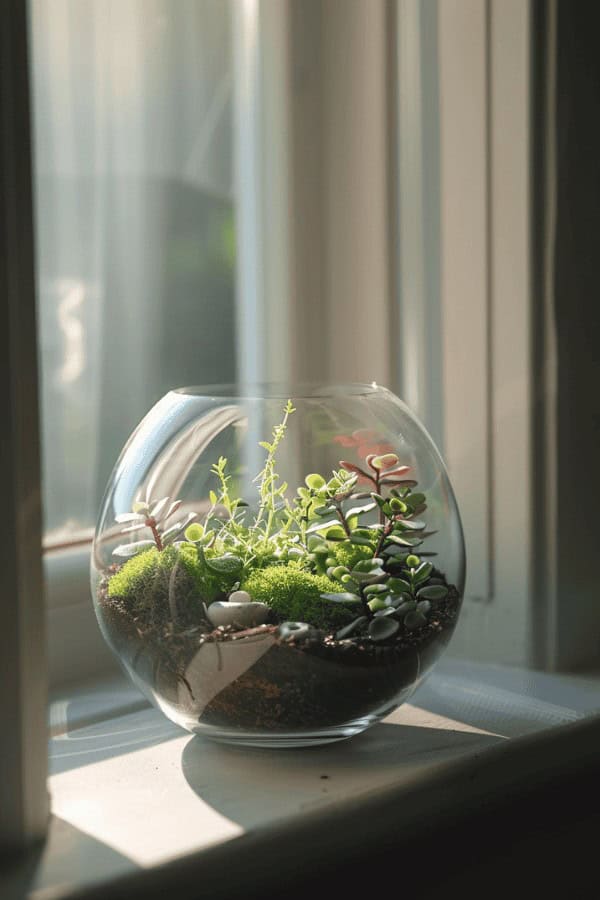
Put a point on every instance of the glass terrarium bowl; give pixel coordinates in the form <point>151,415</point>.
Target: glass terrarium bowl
<point>278,567</point>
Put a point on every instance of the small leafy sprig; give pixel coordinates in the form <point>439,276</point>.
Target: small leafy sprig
<point>322,498</point>
<point>147,514</point>
<point>399,525</point>
<point>230,530</point>
<point>381,470</point>
<point>224,498</point>
<point>272,492</point>
<point>234,546</point>
<point>397,509</point>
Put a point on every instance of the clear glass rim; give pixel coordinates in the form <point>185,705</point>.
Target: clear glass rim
<point>269,390</point>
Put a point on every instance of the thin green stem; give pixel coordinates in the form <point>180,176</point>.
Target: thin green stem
<point>268,475</point>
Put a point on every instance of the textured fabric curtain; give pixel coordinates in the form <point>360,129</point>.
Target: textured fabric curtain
<point>135,228</point>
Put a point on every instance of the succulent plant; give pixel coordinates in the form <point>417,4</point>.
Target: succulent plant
<point>336,555</point>
<point>152,515</point>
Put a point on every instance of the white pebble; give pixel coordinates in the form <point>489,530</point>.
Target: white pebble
<point>246,614</point>
<point>240,597</point>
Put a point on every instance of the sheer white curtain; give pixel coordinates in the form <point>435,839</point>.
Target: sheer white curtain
<point>135,228</point>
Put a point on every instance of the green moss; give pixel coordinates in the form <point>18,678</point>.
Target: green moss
<point>347,554</point>
<point>153,583</point>
<point>295,595</point>
<point>133,577</point>
<point>207,584</point>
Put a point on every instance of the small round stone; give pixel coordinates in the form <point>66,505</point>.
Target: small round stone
<point>295,631</point>
<point>245,615</point>
<point>240,597</point>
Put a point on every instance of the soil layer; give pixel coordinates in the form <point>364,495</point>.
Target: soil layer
<point>315,683</point>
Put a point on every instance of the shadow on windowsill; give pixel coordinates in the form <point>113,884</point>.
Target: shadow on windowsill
<point>255,787</point>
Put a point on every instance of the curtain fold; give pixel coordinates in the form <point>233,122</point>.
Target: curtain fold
<point>135,227</point>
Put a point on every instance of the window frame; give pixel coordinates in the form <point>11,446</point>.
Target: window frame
<point>344,221</point>
<point>23,682</point>
<point>486,302</point>
<point>319,273</point>
<point>305,182</point>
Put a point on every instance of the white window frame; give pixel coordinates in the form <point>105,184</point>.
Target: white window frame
<point>486,311</point>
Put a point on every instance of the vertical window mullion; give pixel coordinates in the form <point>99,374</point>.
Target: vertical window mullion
<point>23,795</point>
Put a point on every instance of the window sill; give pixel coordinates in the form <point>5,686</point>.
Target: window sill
<point>132,791</point>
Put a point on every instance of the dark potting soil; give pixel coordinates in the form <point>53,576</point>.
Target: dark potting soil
<point>324,683</point>
<point>314,683</point>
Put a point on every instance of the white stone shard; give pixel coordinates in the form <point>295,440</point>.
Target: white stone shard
<point>217,664</point>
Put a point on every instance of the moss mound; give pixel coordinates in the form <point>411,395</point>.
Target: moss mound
<point>154,585</point>
<point>295,595</point>
<point>209,584</point>
<point>133,577</point>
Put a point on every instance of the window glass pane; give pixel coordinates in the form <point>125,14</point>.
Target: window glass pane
<point>135,224</point>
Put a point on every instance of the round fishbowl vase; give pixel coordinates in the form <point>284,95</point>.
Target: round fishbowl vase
<point>278,567</point>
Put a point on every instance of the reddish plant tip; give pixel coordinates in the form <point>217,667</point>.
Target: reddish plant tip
<point>351,467</point>
<point>386,460</point>
<point>397,472</point>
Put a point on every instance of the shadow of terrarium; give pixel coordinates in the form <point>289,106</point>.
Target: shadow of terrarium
<point>255,786</point>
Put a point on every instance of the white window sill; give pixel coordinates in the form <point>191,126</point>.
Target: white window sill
<point>130,790</point>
